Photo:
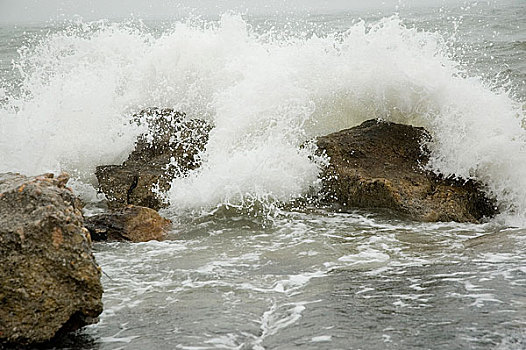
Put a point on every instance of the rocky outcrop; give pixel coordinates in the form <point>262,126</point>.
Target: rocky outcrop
<point>170,148</point>
<point>50,282</point>
<point>132,223</point>
<point>382,165</point>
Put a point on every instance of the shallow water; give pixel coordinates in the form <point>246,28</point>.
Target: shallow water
<point>238,271</point>
<point>315,280</point>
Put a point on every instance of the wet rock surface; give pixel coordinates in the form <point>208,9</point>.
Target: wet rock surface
<point>382,165</point>
<point>50,282</point>
<point>132,223</point>
<point>170,148</point>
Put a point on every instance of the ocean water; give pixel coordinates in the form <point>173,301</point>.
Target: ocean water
<point>242,268</point>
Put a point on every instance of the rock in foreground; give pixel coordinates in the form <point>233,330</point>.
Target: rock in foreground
<point>381,165</point>
<point>132,223</point>
<point>50,282</point>
<point>170,148</point>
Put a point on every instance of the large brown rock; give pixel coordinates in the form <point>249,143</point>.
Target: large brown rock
<point>50,282</point>
<point>132,223</point>
<point>380,164</point>
<point>170,148</point>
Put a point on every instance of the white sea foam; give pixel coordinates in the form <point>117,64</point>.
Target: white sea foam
<point>265,97</point>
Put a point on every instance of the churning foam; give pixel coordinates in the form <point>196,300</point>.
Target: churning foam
<point>265,97</point>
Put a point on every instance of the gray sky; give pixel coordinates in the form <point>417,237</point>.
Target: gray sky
<point>44,10</point>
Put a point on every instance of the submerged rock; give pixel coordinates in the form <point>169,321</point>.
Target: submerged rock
<point>132,223</point>
<point>170,148</point>
<point>50,282</point>
<point>382,165</point>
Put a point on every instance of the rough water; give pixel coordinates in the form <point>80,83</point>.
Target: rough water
<point>241,270</point>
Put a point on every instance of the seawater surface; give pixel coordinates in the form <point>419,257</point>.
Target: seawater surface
<point>240,268</point>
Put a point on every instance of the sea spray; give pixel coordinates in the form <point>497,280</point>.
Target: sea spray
<point>68,115</point>
<point>266,95</point>
<point>319,85</point>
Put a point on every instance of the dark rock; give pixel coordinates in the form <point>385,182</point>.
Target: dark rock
<point>50,282</point>
<point>132,223</point>
<point>170,148</point>
<point>382,165</point>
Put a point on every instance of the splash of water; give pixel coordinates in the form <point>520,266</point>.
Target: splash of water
<point>265,96</point>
